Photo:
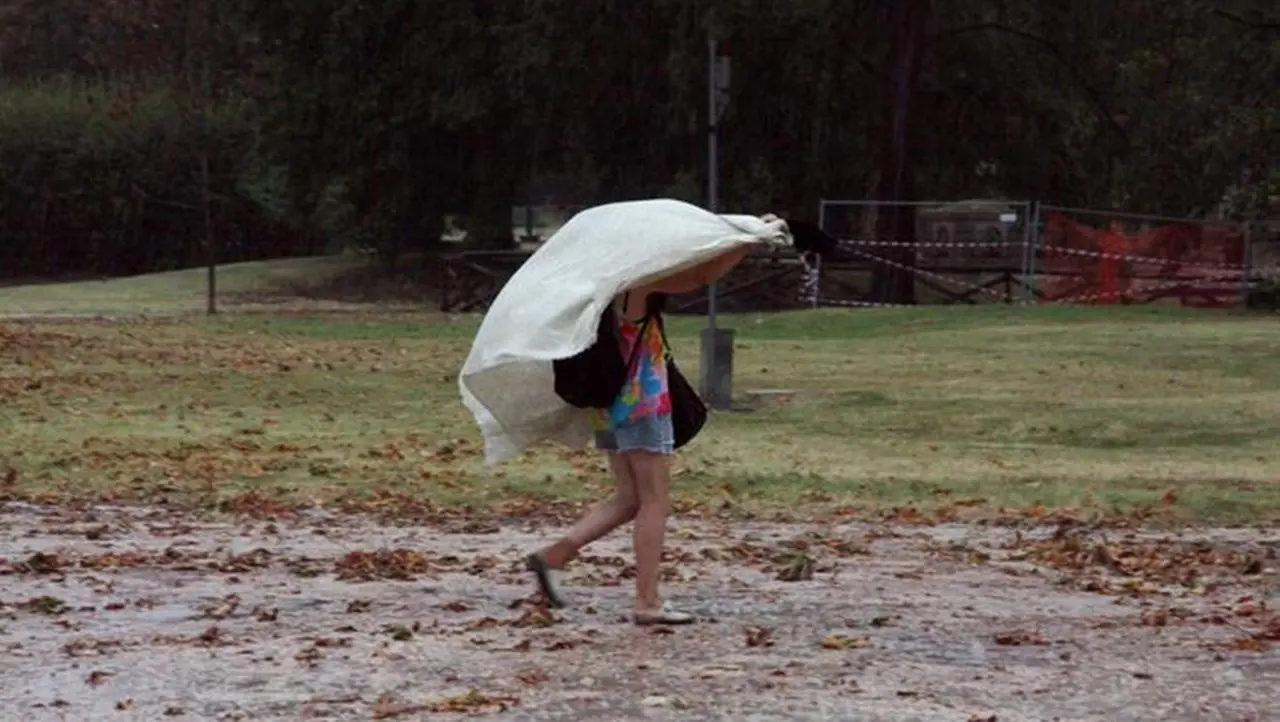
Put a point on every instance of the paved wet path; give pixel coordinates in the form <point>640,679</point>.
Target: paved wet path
<point>133,615</point>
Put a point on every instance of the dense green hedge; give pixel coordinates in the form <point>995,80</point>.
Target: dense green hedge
<point>107,181</point>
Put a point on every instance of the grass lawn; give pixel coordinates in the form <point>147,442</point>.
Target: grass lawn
<point>175,292</point>
<point>951,408</point>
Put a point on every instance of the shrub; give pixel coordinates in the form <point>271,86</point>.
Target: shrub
<point>1265,295</point>
<point>107,180</point>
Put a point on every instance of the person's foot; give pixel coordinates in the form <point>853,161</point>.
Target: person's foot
<point>664,614</point>
<point>545,576</point>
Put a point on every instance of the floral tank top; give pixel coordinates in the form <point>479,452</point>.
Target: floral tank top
<point>646,392</point>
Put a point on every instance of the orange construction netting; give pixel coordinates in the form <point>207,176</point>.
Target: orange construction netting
<point>1196,264</point>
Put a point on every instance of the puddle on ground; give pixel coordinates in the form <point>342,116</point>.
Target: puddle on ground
<point>161,615</point>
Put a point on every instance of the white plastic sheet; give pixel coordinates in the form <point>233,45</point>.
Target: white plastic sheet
<point>551,307</point>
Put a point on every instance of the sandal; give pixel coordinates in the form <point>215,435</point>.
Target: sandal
<point>546,581</point>
<point>662,615</point>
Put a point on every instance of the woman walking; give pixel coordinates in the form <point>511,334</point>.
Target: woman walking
<point>636,435</point>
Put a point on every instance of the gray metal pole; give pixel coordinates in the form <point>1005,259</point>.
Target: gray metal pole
<point>717,343</point>
<point>713,156</point>
<point>1033,251</point>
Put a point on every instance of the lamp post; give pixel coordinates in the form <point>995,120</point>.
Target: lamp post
<point>717,343</point>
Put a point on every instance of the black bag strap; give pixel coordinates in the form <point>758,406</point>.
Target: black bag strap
<point>666,345</point>
<point>644,326</point>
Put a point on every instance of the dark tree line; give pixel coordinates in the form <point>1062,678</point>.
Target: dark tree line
<point>133,132</point>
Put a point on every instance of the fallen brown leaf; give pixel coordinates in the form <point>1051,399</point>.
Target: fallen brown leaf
<point>41,563</point>
<point>759,637</point>
<point>534,617</point>
<point>1248,644</point>
<point>845,641</point>
<point>1018,637</point>
<point>799,569</point>
<point>1271,629</point>
<point>51,606</point>
<point>223,608</point>
<point>1248,607</point>
<point>399,632</point>
<point>395,564</point>
<point>472,702</point>
<point>1141,565</point>
<point>534,677</point>
<point>210,636</point>
<point>563,644</point>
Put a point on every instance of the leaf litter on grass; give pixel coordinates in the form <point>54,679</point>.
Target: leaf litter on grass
<point>250,398</point>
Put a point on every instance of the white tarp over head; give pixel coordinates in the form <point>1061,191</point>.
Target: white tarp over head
<point>550,309</point>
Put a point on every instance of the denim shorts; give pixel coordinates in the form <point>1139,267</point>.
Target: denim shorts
<point>648,433</point>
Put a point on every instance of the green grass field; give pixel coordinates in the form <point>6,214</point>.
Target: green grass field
<point>242,286</point>
<point>975,408</point>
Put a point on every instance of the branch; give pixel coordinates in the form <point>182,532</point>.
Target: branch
<point>1238,20</point>
<point>1094,96</point>
<point>148,198</point>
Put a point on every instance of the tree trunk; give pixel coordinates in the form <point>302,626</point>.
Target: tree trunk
<point>496,165</point>
<point>893,282</point>
<point>195,71</point>
<point>210,241</point>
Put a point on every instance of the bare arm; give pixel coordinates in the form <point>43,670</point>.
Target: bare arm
<point>703,274</point>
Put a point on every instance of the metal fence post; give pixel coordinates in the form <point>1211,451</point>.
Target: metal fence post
<point>816,299</point>
<point>1246,265</point>
<point>1033,250</point>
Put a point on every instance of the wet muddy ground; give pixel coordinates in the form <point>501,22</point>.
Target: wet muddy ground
<point>121,614</point>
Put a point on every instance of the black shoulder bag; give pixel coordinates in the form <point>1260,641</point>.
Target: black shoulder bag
<point>688,413</point>
<point>592,378</point>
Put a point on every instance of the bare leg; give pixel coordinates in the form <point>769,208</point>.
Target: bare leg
<point>653,476</point>
<point>602,518</point>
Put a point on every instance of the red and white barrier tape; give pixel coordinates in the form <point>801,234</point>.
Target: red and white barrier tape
<point>1085,298</point>
<point>930,244</point>
<point>1157,260</point>
<point>972,287</point>
<point>1213,278</point>
<point>1203,282</point>
<point>1151,260</point>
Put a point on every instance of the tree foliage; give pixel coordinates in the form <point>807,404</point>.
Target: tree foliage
<point>371,120</point>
